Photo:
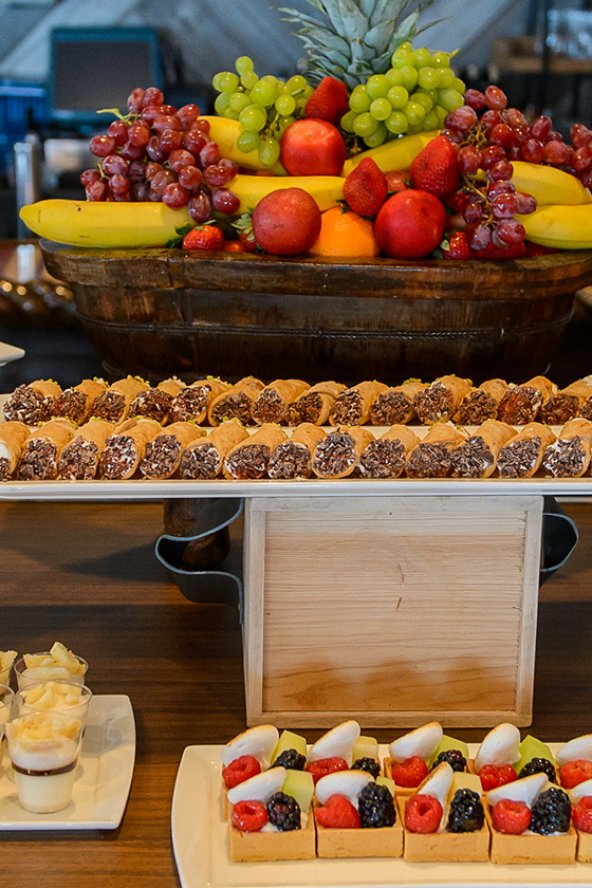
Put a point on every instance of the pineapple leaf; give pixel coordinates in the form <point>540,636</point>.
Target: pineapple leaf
<point>379,37</point>
<point>355,22</point>
<point>331,51</point>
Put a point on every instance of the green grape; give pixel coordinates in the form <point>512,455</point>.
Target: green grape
<point>365,125</point>
<point>296,84</point>
<point>441,114</point>
<point>359,99</point>
<point>243,64</point>
<point>415,113</point>
<point>409,75</point>
<point>431,121</point>
<point>423,99</point>
<point>445,78</point>
<point>264,92</point>
<point>229,81</point>
<point>231,113</point>
<point>253,118</point>
<point>249,79</point>
<point>238,100</point>
<point>403,56</point>
<point>301,102</point>
<point>397,123</point>
<point>247,141</point>
<point>394,77</point>
<point>285,104</point>
<point>398,97</point>
<point>423,58</point>
<point>458,85</point>
<point>441,59</point>
<point>377,137</point>
<point>282,124</point>
<point>450,99</point>
<point>377,86</point>
<point>269,152</point>
<point>415,128</point>
<point>428,78</point>
<point>380,109</point>
<point>220,80</point>
<point>347,121</point>
<point>221,103</point>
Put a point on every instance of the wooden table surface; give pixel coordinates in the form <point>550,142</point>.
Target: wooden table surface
<point>85,574</point>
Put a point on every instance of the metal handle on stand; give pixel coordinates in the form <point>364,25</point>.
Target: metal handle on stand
<point>27,178</point>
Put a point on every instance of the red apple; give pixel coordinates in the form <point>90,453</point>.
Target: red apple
<point>312,147</point>
<point>286,222</point>
<point>410,224</point>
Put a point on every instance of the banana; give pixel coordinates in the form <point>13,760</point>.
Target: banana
<point>326,190</point>
<point>396,155</point>
<point>104,224</point>
<point>225,131</point>
<point>561,226</point>
<point>549,185</point>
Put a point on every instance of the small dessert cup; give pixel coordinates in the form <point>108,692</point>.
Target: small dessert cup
<point>6,705</point>
<point>44,749</point>
<point>7,659</point>
<point>68,697</point>
<point>32,669</point>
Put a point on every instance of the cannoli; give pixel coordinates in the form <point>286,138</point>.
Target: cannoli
<point>521,403</point>
<point>114,403</point>
<point>431,457</point>
<point>76,402</point>
<point>477,456</point>
<point>273,401</point>
<point>155,403</point>
<point>12,437</point>
<point>569,455</point>
<point>126,447</point>
<point>566,403</point>
<point>339,453</point>
<point>292,458</point>
<point>352,407</point>
<point>482,403</point>
<point>237,401</point>
<point>191,404</point>
<point>79,460</point>
<point>249,459</point>
<point>42,450</point>
<point>395,405</point>
<point>32,403</point>
<point>315,404</point>
<point>440,400</point>
<point>163,453</point>
<point>203,459</point>
<point>522,455</point>
<point>385,457</point>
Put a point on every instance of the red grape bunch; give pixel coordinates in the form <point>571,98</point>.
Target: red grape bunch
<point>161,153</point>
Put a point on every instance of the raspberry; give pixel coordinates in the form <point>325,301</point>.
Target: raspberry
<point>409,773</point>
<point>496,775</point>
<point>575,772</point>
<point>249,816</point>
<point>338,813</point>
<point>423,814</point>
<point>582,814</point>
<point>239,770</point>
<point>510,817</point>
<point>324,766</point>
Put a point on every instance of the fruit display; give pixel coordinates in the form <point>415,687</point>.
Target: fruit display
<point>374,126</point>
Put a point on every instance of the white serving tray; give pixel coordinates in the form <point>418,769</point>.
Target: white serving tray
<point>9,353</point>
<point>201,852</point>
<point>103,778</point>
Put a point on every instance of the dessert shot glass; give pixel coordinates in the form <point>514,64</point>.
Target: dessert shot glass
<point>6,708</point>
<point>67,697</point>
<point>7,659</point>
<point>32,669</point>
<point>44,750</point>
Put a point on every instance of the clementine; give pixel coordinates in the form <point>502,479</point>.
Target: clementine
<point>345,234</point>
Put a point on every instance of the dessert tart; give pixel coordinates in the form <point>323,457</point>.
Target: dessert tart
<point>247,754</point>
<point>574,760</point>
<point>412,756</point>
<point>581,798</point>
<point>497,756</point>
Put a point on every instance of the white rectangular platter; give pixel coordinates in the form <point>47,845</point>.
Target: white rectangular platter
<point>201,853</point>
<point>103,780</point>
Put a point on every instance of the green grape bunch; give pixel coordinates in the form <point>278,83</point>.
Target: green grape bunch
<point>414,95</point>
<point>264,106</point>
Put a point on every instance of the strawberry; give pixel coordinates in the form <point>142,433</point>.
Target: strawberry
<point>456,246</point>
<point>249,816</point>
<point>329,101</point>
<point>234,246</point>
<point>365,189</point>
<point>496,775</point>
<point>204,237</point>
<point>575,772</point>
<point>435,169</point>
<point>397,180</point>
<point>240,769</point>
<point>324,766</point>
<point>410,772</point>
<point>423,814</point>
<point>510,817</point>
<point>338,813</point>
<point>582,814</point>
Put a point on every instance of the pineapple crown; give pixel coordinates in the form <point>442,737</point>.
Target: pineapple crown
<point>353,39</point>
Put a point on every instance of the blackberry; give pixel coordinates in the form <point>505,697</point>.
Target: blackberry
<point>539,766</point>
<point>466,812</point>
<point>283,812</point>
<point>376,806</point>
<point>454,757</point>
<point>367,764</point>
<point>291,759</point>
<point>551,812</point>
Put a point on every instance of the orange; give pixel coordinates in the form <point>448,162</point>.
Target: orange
<point>345,234</point>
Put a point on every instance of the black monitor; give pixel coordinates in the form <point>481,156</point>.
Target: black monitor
<point>93,68</point>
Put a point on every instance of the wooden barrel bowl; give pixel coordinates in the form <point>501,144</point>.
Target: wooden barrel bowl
<point>162,312</point>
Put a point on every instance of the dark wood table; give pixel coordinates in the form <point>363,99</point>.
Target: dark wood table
<point>85,574</point>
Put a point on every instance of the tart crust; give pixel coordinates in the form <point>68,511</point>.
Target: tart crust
<point>531,848</point>
<point>400,791</point>
<point>298,844</point>
<point>384,841</point>
<point>444,847</point>
<point>584,851</point>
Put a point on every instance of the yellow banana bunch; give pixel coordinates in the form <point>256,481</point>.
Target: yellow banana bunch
<point>326,190</point>
<point>562,226</point>
<point>225,131</point>
<point>549,185</point>
<point>396,155</point>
